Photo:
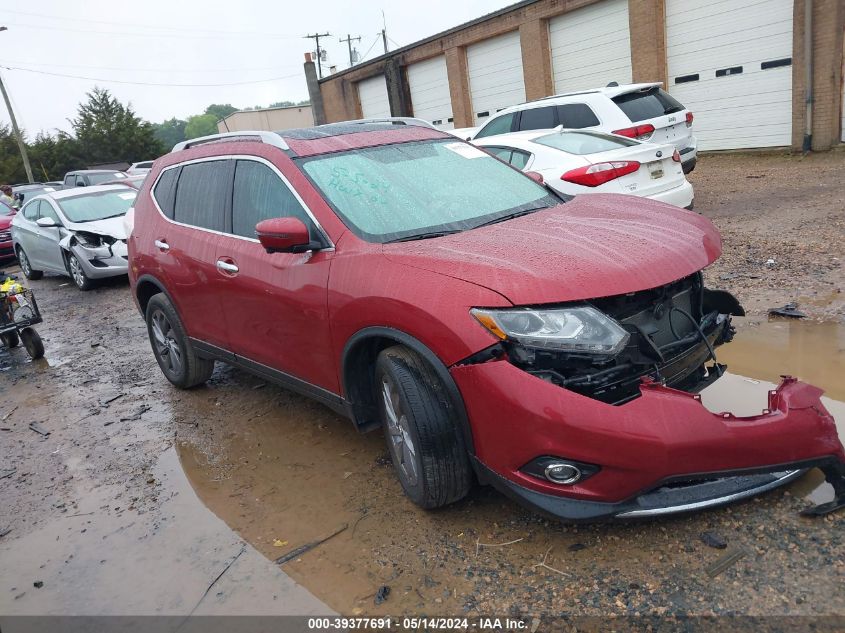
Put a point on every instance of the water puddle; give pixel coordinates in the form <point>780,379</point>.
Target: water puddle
<point>283,472</point>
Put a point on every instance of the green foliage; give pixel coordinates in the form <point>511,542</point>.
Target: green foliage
<point>201,125</point>
<point>11,165</point>
<point>108,131</point>
<point>170,132</point>
<point>220,110</point>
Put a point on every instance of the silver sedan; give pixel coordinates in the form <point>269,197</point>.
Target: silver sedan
<point>75,232</point>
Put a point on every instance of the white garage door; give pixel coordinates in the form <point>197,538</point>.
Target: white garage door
<point>591,47</point>
<point>730,63</point>
<point>430,98</point>
<point>495,75</point>
<point>373,95</point>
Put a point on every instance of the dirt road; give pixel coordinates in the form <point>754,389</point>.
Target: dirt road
<point>281,471</point>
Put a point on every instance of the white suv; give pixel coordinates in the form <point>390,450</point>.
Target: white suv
<point>644,112</point>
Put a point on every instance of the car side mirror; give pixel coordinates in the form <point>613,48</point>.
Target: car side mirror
<point>536,177</point>
<point>285,235</point>
<point>45,222</point>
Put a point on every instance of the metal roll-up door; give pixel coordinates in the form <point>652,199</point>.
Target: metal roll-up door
<point>372,93</point>
<point>495,75</point>
<point>430,97</point>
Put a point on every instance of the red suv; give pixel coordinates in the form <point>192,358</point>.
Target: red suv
<point>552,347</point>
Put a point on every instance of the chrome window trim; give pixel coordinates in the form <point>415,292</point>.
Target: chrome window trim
<point>257,159</point>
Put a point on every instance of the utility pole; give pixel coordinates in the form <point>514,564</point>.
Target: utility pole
<point>349,39</point>
<point>384,31</point>
<point>15,129</point>
<point>316,37</point>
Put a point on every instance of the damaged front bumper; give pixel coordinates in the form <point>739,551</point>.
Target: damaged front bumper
<point>658,454</point>
<point>108,258</point>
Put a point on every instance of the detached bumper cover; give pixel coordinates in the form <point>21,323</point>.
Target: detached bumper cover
<point>661,453</point>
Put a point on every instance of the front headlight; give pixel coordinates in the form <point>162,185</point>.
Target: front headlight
<point>579,329</point>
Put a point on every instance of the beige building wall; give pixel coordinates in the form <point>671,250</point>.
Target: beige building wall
<point>269,119</point>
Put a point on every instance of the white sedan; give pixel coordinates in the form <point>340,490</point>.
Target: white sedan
<point>584,161</point>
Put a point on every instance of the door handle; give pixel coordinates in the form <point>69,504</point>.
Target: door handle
<point>226,267</point>
<point>162,245</point>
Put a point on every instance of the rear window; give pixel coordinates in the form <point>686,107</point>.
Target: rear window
<point>583,143</point>
<point>201,194</point>
<point>97,179</point>
<point>647,104</point>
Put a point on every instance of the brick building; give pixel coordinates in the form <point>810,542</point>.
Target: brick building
<point>739,65</point>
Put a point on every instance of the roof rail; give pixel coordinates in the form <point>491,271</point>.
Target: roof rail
<point>270,138</point>
<point>398,120</point>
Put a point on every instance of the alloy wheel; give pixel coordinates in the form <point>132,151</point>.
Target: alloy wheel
<point>76,271</point>
<point>165,343</point>
<point>399,435</point>
<point>23,260</point>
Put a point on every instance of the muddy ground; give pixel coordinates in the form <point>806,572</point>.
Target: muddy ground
<point>282,471</point>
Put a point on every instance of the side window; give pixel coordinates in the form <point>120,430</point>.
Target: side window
<point>503,153</point>
<point>70,181</point>
<point>519,159</point>
<point>80,181</point>
<point>259,194</point>
<point>164,190</point>
<point>30,211</point>
<point>499,125</point>
<point>538,118</point>
<point>47,211</point>
<point>201,194</point>
<point>576,115</point>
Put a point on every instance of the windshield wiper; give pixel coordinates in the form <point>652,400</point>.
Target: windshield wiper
<point>672,109</point>
<point>423,236</point>
<point>511,216</point>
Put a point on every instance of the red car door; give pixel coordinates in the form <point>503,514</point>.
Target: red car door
<point>274,305</point>
<point>187,244</point>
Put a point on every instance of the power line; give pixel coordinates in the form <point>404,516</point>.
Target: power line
<point>145,83</point>
<point>149,35</point>
<point>316,37</point>
<point>157,70</point>
<point>364,56</point>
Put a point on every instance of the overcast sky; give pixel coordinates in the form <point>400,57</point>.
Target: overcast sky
<point>191,42</point>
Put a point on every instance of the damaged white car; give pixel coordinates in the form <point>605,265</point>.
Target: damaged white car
<point>75,232</point>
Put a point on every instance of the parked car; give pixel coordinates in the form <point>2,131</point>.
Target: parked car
<point>22,193</point>
<point>135,181</point>
<point>88,177</point>
<point>584,161</point>
<point>551,347</point>
<point>644,112</point>
<point>7,212</point>
<point>75,232</point>
<point>140,168</point>
<point>464,133</point>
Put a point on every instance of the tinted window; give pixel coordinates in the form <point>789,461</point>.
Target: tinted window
<point>30,211</point>
<point>259,194</point>
<point>201,194</point>
<point>503,153</point>
<point>499,125</point>
<point>70,181</point>
<point>519,159</point>
<point>582,143</point>
<point>538,119</point>
<point>402,190</point>
<point>164,190</point>
<point>96,179</point>
<point>647,104</point>
<point>576,115</point>
<point>80,181</point>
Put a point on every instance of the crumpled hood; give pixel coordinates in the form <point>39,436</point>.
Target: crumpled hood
<point>112,227</point>
<point>593,246</point>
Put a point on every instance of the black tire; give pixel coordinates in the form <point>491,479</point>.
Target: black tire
<point>174,353</point>
<point>442,468</point>
<point>32,342</point>
<point>77,273</point>
<point>10,339</point>
<point>26,267</point>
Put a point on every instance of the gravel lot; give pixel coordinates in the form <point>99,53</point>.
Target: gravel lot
<point>282,471</point>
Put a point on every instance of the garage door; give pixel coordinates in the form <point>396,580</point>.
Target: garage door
<point>495,75</point>
<point>430,98</point>
<point>591,47</point>
<point>731,64</point>
<point>372,93</point>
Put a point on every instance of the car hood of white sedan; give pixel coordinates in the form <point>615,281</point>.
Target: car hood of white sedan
<point>111,227</point>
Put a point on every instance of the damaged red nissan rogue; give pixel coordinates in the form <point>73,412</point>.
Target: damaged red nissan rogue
<point>552,347</point>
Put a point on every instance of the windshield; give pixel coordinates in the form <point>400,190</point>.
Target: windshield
<point>97,179</point>
<point>583,143</point>
<point>647,104</point>
<point>97,206</point>
<point>398,191</point>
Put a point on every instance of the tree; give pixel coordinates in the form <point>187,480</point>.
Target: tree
<point>201,125</point>
<point>220,111</point>
<point>170,132</point>
<point>108,131</point>
<point>11,165</point>
<point>53,156</point>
